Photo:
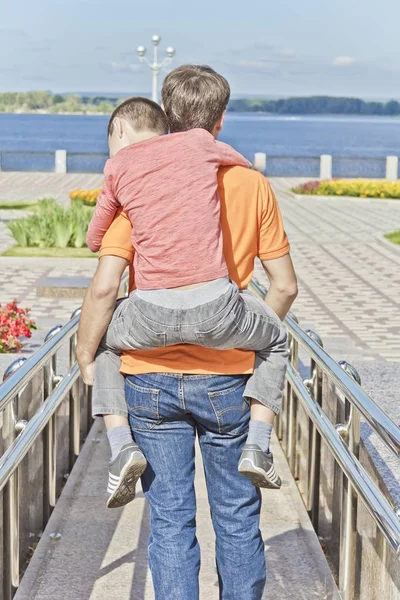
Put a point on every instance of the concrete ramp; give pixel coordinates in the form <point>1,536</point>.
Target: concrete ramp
<point>102,554</point>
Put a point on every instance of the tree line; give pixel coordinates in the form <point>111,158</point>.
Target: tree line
<point>316,105</point>
<point>45,101</point>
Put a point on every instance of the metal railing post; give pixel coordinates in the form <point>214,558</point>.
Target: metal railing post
<point>350,433</point>
<point>292,411</point>
<point>282,436</point>
<point>314,461</point>
<point>11,428</point>
<point>74,404</point>
<point>50,381</point>
<point>10,516</point>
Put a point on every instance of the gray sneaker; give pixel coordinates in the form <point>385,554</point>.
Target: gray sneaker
<point>259,467</point>
<point>123,473</point>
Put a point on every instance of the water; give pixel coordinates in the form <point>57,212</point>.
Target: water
<point>368,138</point>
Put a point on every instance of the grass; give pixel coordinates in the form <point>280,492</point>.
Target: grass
<point>393,237</point>
<point>19,205</point>
<point>49,252</point>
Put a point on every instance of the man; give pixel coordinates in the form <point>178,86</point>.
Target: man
<point>177,392</point>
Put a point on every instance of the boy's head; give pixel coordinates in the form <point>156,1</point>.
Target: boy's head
<point>195,96</point>
<point>134,120</point>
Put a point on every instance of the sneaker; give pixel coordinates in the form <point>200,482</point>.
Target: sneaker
<point>124,471</point>
<point>258,466</point>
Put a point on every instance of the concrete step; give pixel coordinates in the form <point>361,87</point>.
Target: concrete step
<point>102,554</point>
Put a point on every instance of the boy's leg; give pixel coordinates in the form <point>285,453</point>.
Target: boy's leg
<point>261,425</point>
<point>249,323</point>
<point>127,461</point>
<point>267,336</point>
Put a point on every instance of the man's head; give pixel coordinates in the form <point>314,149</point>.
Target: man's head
<point>193,97</point>
<point>135,120</point>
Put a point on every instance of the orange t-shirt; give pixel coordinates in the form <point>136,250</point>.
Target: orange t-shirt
<point>252,227</point>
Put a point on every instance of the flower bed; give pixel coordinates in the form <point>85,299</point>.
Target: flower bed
<point>357,188</point>
<point>14,324</point>
<point>87,197</point>
<point>52,226</point>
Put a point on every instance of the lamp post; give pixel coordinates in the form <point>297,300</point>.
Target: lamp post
<point>155,66</point>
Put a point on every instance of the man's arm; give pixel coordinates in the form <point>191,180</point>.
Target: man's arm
<point>283,284</point>
<point>97,310</point>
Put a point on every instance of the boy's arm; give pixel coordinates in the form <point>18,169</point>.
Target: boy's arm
<point>104,214</point>
<point>228,156</point>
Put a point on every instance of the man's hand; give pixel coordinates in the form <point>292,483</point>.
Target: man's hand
<point>87,372</point>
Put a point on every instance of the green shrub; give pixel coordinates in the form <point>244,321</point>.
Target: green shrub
<point>52,226</point>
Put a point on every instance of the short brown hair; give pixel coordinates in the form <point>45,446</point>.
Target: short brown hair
<point>144,114</point>
<point>193,97</point>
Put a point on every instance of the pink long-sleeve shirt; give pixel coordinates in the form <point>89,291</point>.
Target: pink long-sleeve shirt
<point>167,186</point>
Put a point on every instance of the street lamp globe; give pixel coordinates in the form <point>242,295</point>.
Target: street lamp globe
<point>156,39</point>
<point>141,50</point>
<point>170,52</point>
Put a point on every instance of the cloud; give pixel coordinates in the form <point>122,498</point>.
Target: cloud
<point>259,58</point>
<point>343,61</point>
<point>4,31</point>
<point>124,67</point>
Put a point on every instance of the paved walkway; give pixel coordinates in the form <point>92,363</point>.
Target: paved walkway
<point>349,277</point>
<point>349,293</point>
<point>102,553</point>
<point>31,186</point>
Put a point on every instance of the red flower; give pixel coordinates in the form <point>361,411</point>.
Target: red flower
<point>14,325</point>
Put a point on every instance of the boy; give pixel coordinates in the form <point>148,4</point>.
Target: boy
<point>167,185</point>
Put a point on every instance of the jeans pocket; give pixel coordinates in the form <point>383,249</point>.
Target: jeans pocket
<point>222,334</point>
<point>230,409</point>
<point>142,406</point>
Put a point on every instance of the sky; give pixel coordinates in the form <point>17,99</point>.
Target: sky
<point>264,48</point>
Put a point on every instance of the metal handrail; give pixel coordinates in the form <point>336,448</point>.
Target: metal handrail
<point>12,457</point>
<point>342,441</point>
<point>18,380</point>
<point>380,422</point>
<point>379,508</point>
<point>352,482</point>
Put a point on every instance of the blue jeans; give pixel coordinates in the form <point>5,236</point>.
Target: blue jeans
<point>165,412</point>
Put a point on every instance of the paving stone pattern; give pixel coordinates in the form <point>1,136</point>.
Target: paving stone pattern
<point>349,278</point>
<point>31,186</point>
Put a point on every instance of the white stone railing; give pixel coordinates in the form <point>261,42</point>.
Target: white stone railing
<point>322,167</point>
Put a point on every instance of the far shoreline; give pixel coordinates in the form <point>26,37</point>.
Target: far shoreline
<point>229,112</point>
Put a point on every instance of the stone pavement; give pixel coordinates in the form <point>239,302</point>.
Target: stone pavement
<point>349,293</point>
<point>349,278</point>
<point>31,186</point>
<point>102,553</point>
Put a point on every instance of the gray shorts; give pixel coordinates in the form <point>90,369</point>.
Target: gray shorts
<point>231,319</point>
